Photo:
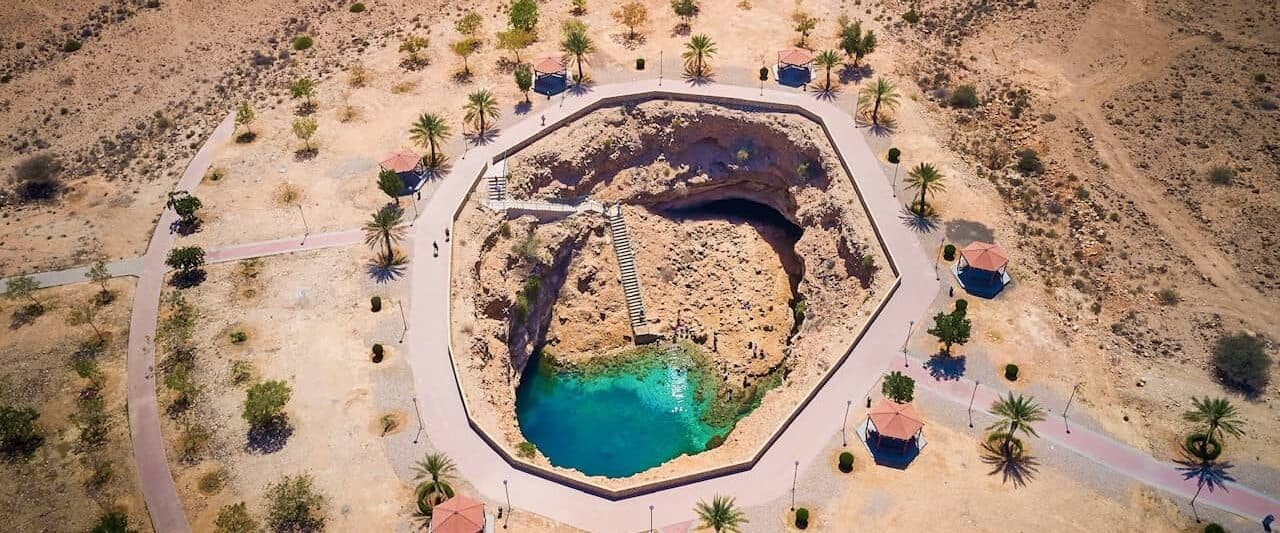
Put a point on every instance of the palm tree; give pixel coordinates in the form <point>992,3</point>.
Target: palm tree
<point>578,44</point>
<point>1218,416</point>
<point>1014,414</point>
<point>428,131</point>
<point>828,59</point>
<point>721,514</point>
<point>439,468</point>
<point>926,178</point>
<point>883,94</point>
<point>699,49</point>
<point>481,105</point>
<point>385,228</point>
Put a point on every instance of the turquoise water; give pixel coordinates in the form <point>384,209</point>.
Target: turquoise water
<point>614,424</point>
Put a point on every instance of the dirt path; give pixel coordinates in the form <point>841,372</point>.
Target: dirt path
<point>1082,99</point>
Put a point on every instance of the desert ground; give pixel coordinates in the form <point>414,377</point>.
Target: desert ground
<point>1130,106</point>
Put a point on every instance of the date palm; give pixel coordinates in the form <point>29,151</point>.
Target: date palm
<point>828,60</point>
<point>481,105</point>
<point>697,51</point>
<point>882,94</point>
<point>1014,414</point>
<point>439,469</point>
<point>427,132</point>
<point>577,44</point>
<point>385,228</point>
<point>926,178</point>
<point>1218,417</point>
<point>721,515</point>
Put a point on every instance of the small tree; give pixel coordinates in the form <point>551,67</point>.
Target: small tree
<point>926,178</point>
<point>514,40</point>
<point>898,387</point>
<point>85,313</point>
<point>632,15</point>
<point>304,128</point>
<point>1014,414</point>
<point>828,59</point>
<point>186,260</point>
<point>523,15</point>
<point>951,328</point>
<point>20,432</point>
<point>1242,362</point>
<point>98,273</point>
<point>880,93</point>
<point>295,505</point>
<point>721,515</point>
<point>390,184</point>
<point>429,131</point>
<point>1219,419</point>
<point>385,228</point>
<point>113,522</point>
<point>804,23</point>
<point>23,286</point>
<point>524,79</point>
<point>464,48</point>
<point>685,9</point>
<point>854,42</point>
<point>577,44</point>
<point>303,88</point>
<point>481,106</point>
<point>697,51</point>
<point>235,518</point>
<point>264,402</point>
<point>579,7</point>
<point>244,116</point>
<point>413,45</point>
<point>469,24</point>
<point>185,205</point>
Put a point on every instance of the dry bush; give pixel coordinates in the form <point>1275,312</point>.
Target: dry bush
<point>287,195</point>
<point>348,113</point>
<point>357,76</point>
<point>403,87</point>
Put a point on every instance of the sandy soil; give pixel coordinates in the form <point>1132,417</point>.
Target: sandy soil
<point>38,373</point>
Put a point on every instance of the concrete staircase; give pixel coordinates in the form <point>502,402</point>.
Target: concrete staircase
<point>627,269</point>
<point>495,179</point>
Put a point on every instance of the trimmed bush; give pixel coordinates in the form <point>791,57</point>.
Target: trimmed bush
<point>302,42</point>
<point>1011,372</point>
<point>378,350</point>
<point>949,252</point>
<point>71,46</point>
<point>238,337</point>
<point>375,304</point>
<point>764,73</point>
<point>802,518</point>
<point>895,155</point>
<point>962,306</point>
<point>846,462</point>
<point>1214,528</point>
<point>357,7</point>
<point>639,63</point>
<point>1192,446</point>
<point>1242,362</point>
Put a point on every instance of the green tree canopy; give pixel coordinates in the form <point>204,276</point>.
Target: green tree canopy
<point>879,94</point>
<point>697,51</point>
<point>469,24</point>
<point>523,15</point>
<point>20,432</point>
<point>1014,414</point>
<point>721,515</point>
<point>23,286</point>
<point>244,115</point>
<point>264,402</point>
<point>480,108</point>
<point>303,88</point>
<point>295,505</point>
<point>898,387</point>
<point>235,518</point>
<point>685,9</point>
<point>577,44</point>
<point>185,259</point>
<point>1218,417</point>
<point>951,328</point>
<point>524,79</point>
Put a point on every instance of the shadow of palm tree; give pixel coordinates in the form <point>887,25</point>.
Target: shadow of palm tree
<point>945,367</point>
<point>826,94</point>
<point>484,137</point>
<point>697,80</point>
<point>851,74</point>
<point>439,170</point>
<point>384,270</point>
<point>1015,468</point>
<point>581,88</point>
<point>1208,474</point>
<point>885,128</point>
<point>918,223</point>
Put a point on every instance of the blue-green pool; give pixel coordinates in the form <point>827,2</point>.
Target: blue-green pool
<point>613,423</point>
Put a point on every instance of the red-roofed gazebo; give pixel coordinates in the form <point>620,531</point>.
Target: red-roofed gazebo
<point>983,256</point>
<point>401,160</point>
<point>793,68</point>
<point>458,514</point>
<point>551,76</point>
<point>896,421</point>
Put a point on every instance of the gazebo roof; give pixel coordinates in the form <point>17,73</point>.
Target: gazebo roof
<point>548,65</point>
<point>458,514</point>
<point>984,256</point>
<point>896,420</point>
<point>401,160</point>
<point>795,56</point>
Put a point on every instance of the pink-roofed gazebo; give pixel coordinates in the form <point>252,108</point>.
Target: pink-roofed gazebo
<point>402,160</point>
<point>458,514</point>
<point>897,421</point>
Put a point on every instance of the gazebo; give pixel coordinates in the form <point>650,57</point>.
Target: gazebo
<point>458,514</point>
<point>408,166</point>
<point>793,68</point>
<point>551,77</point>
<point>981,269</point>
<point>895,421</point>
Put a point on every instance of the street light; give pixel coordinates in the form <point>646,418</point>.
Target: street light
<point>910,326</point>
<point>651,518</point>
<point>1064,410</point>
<point>794,474</point>
<point>506,518</point>
<point>974,395</point>
<point>847,405</point>
<point>305,230</point>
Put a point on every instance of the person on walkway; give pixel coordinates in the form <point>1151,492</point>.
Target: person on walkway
<point>544,120</point>
<point>446,235</point>
<point>435,249</point>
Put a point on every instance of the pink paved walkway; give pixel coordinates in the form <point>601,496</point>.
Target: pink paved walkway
<point>1104,450</point>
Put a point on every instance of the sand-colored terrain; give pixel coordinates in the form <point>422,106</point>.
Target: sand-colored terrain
<point>70,479</point>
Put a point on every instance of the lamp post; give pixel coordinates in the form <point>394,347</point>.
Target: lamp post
<point>937,256</point>
<point>910,326</point>
<point>971,397</point>
<point>659,68</point>
<point>843,425</point>
<point>651,518</point>
<point>403,320</point>
<point>506,518</point>
<point>1064,410</point>
<point>795,473</point>
<point>305,229</point>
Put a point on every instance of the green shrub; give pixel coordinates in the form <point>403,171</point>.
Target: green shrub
<point>378,351</point>
<point>102,474</point>
<point>238,337</point>
<point>1011,372</point>
<point>375,304</point>
<point>802,518</point>
<point>527,450</point>
<point>949,252</point>
<point>962,306</point>
<point>714,442</point>
<point>911,17</point>
<point>211,482</point>
<point>112,522</point>
<point>1222,175</point>
<point>639,63</point>
<point>37,177</point>
<point>241,371</point>
<point>1194,441</point>
<point>295,505</point>
<point>1260,78</point>
<point>1242,362</point>
<point>302,42</point>
<point>1168,296</point>
<point>846,462</point>
<point>964,97</point>
<point>1029,163</point>
<point>19,431</point>
<point>764,73</point>
<point>264,402</point>
<point>357,7</point>
<point>895,155</point>
<point>1214,528</point>
<point>71,45</point>
<point>235,518</point>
